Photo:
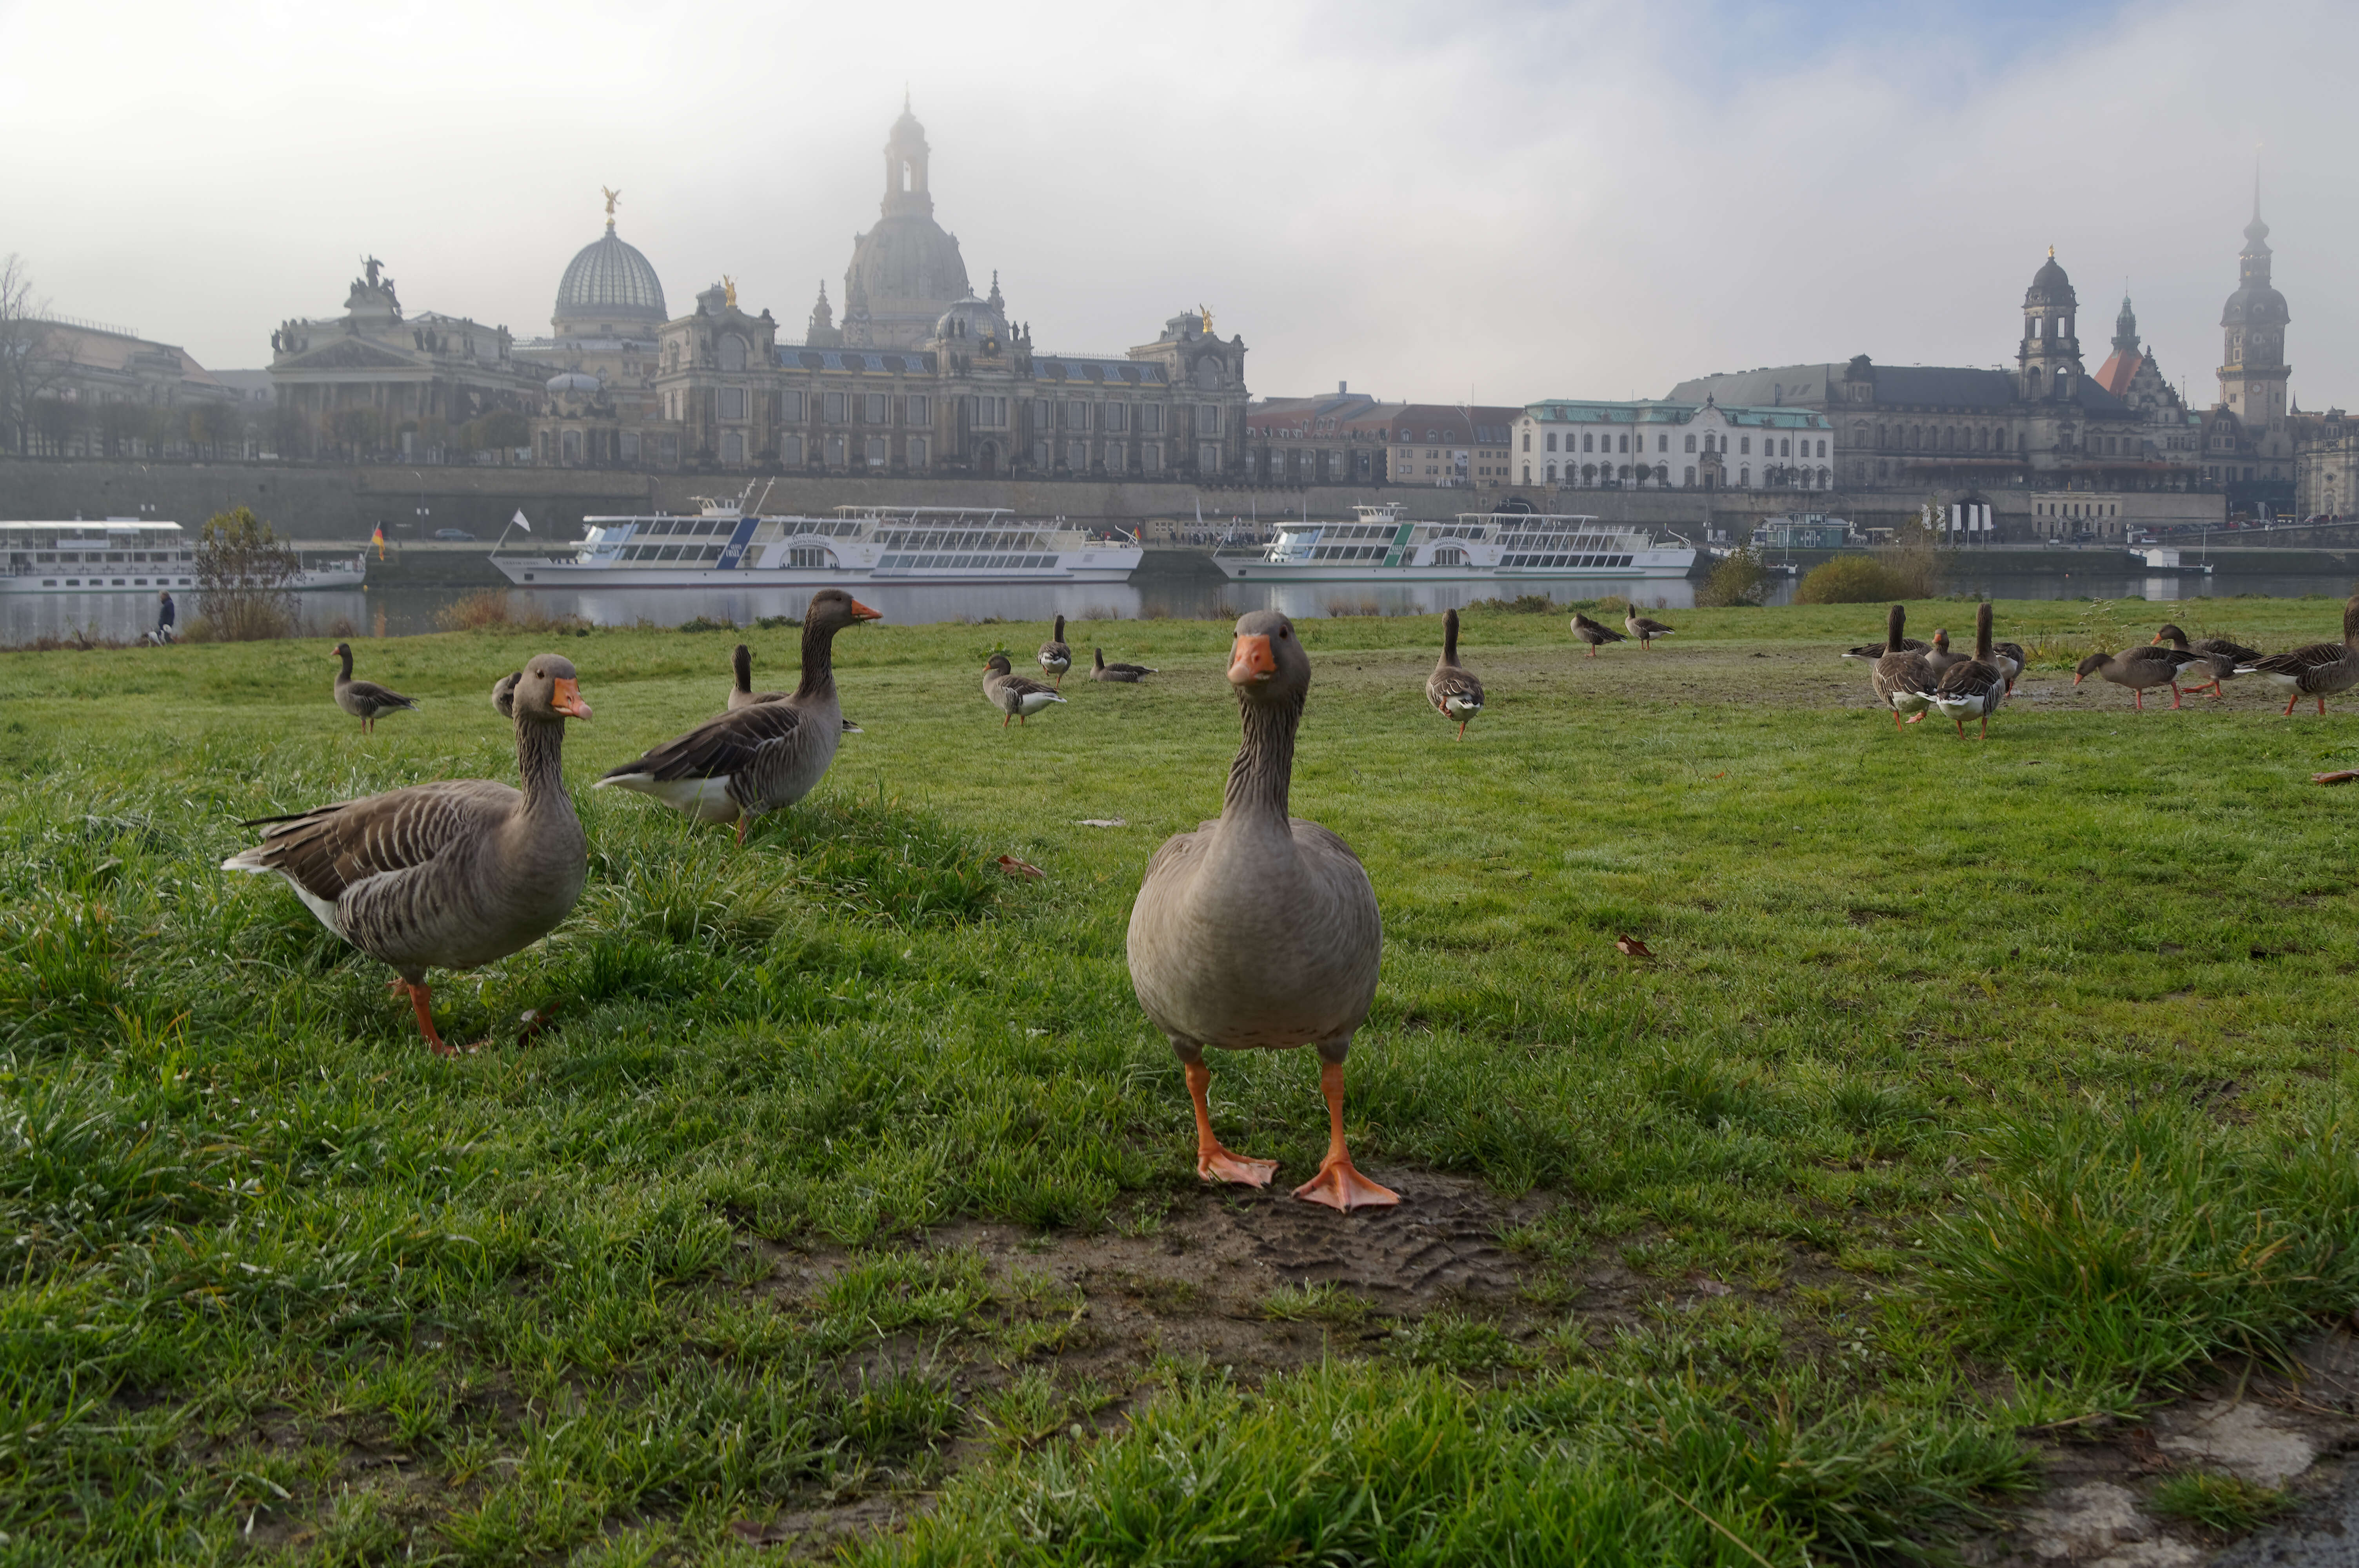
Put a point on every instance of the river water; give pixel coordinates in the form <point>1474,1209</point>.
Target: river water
<point>1182,586</point>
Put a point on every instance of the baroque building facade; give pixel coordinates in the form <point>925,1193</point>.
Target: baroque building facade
<point>921,376</point>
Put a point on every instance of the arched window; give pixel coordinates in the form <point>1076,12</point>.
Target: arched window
<point>1692,443</point>
<point>1688,479</point>
<point>1825,478</point>
<point>2031,382</point>
<point>1552,473</point>
<point>1744,478</point>
<point>732,352</point>
<point>1589,473</point>
<point>1527,477</point>
<point>1662,473</point>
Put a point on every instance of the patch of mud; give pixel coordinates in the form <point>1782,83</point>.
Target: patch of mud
<point>2296,1432</point>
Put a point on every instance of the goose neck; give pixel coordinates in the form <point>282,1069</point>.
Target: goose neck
<point>344,666</point>
<point>1263,772</point>
<point>818,662</point>
<point>1449,642</point>
<point>540,762</point>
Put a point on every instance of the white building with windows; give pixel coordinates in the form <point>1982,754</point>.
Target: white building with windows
<point>1580,444</point>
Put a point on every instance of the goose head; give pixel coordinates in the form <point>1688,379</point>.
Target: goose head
<point>832,609</point>
<point>342,654</point>
<point>742,662</point>
<point>1940,641</point>
<point>504,694</point>
<point>1267,662</point>
<point>2171,634</point>
<point>546,690</point>
<point>997,665</point>
<point>2090,665</point>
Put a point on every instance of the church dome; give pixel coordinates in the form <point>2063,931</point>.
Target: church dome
<point>2256,302</point>
<point>2049,286</point>
<point>906,261</point>
<point>611,282</point>
<point>971,320</point>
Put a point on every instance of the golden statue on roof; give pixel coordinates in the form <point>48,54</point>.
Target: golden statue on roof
<point>728,291</point>
<point>612,197</point>
<point>1205,312</point>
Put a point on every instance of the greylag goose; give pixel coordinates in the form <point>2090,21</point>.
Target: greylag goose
<point>1055,657</point>
<point>2140,669</point>
<point>1592,633</point>
<point>1903,681</point>
<point>1941,655</point>
<point>1016,697</point>
<point>2012,660</point>
<point>1972,689</point>
<point>1452,688</point>
<point>2222,656</point>
<point>757,758</point>
<point>364,699</point>
<point>1644,629</point>
<point>2318,669</point>
<point>1129,674</point>
<point>1259,931</point>
<point>453,874</point>
<point>741,688</point>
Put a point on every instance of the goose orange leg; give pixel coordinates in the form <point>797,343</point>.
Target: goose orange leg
<point>1339,1184</point>
<point>2174,695</point>
<point>2321,707</point>
<point>2290,702</point>
<point>422,997</point>
<point>1214,1162</point>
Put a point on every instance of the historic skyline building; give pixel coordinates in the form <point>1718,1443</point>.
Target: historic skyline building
<point>919,377</point>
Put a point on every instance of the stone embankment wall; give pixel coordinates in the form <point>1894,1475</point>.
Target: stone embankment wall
<point>326,502</point>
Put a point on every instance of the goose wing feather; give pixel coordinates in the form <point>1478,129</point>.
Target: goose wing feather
<point>356,695</point>
<point>1451,684</point>
<point>719,746</point>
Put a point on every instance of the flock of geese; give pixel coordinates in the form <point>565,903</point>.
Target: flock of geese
<point>1914,678</point>
<point>1257,931</point>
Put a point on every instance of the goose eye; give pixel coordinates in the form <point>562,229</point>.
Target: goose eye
<point>1282,633</point>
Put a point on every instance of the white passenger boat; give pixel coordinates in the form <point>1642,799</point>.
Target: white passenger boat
<point>125,555</point>
<point>1380,545</point>
<point>722,546</point>
<point>2167,558</point>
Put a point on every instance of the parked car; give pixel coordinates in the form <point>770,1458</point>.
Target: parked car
<point>454,536</point>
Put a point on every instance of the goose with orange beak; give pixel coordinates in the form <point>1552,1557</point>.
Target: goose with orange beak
<point>1259,931</point>
<point>757,758</point>
<point>449,875</point>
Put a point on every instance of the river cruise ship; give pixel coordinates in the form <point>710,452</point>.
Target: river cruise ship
<point>1380,545</point>
<point>722,546</point>
<point>125,555</point>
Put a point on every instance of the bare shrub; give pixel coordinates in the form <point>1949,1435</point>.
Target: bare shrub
<point>1737,579</point>
<point>1353,607</point>
<point>497,609</point>
<point>244,580</point>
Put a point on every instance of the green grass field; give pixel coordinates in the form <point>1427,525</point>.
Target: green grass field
<point>848,1202</point>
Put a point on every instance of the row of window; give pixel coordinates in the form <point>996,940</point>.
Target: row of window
<point>117,582</point>
<point>1565,560</point>
<point>111,558</point>
<point>965,563</point>
<point>738,405</point>
<point>1771,446</point>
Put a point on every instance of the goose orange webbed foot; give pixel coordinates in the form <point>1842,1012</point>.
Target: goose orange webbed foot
<point>1340,1185</point>
<point>1217,1164</point>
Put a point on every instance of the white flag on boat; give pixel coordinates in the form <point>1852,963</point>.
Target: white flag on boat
<point>519,522</point>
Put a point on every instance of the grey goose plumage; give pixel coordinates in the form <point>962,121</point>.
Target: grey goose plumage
<point>1260,931</point>
<point>1055,658</point>
<point>755,758</point>
<point>2138,669</point>
<point>1124,674</point>
<point>1452,688</point>
<point>364,699</point>
<point>1594,633</point>
<point>741,681</point>
<point>453,874</point>
<point>1972,689</point>
<point>1645,628</point>
<point>2220,655</point>
<point>1902,679</point>
<point>2316,669</point>
<point>1016,696</point>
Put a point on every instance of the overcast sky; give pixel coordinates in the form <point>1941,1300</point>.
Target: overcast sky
<point>1428,200</point>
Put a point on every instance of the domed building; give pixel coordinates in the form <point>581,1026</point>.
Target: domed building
<point>2250,437</point>
<point>906,270</point>
<point>607,323</point>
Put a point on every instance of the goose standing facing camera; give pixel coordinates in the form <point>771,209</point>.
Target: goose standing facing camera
<point>1016,696</point>
<point>1593,633</point>
<point>364,699</point>
<point>1128,674</point>
<point>1902,680</point>
<point>1259,931</point>
<point>1055,658</point>
<point>1972,690</point>
<point>1452,688</point>
<point>449,875</point>
<point>762,756</point>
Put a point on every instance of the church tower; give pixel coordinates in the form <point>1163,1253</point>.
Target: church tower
<point>905,167</point>
<point>2253,369</point>
<point>2048,362</point>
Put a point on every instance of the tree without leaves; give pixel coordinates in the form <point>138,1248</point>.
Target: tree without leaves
<point>243,577</point>
<point>30,366</point>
